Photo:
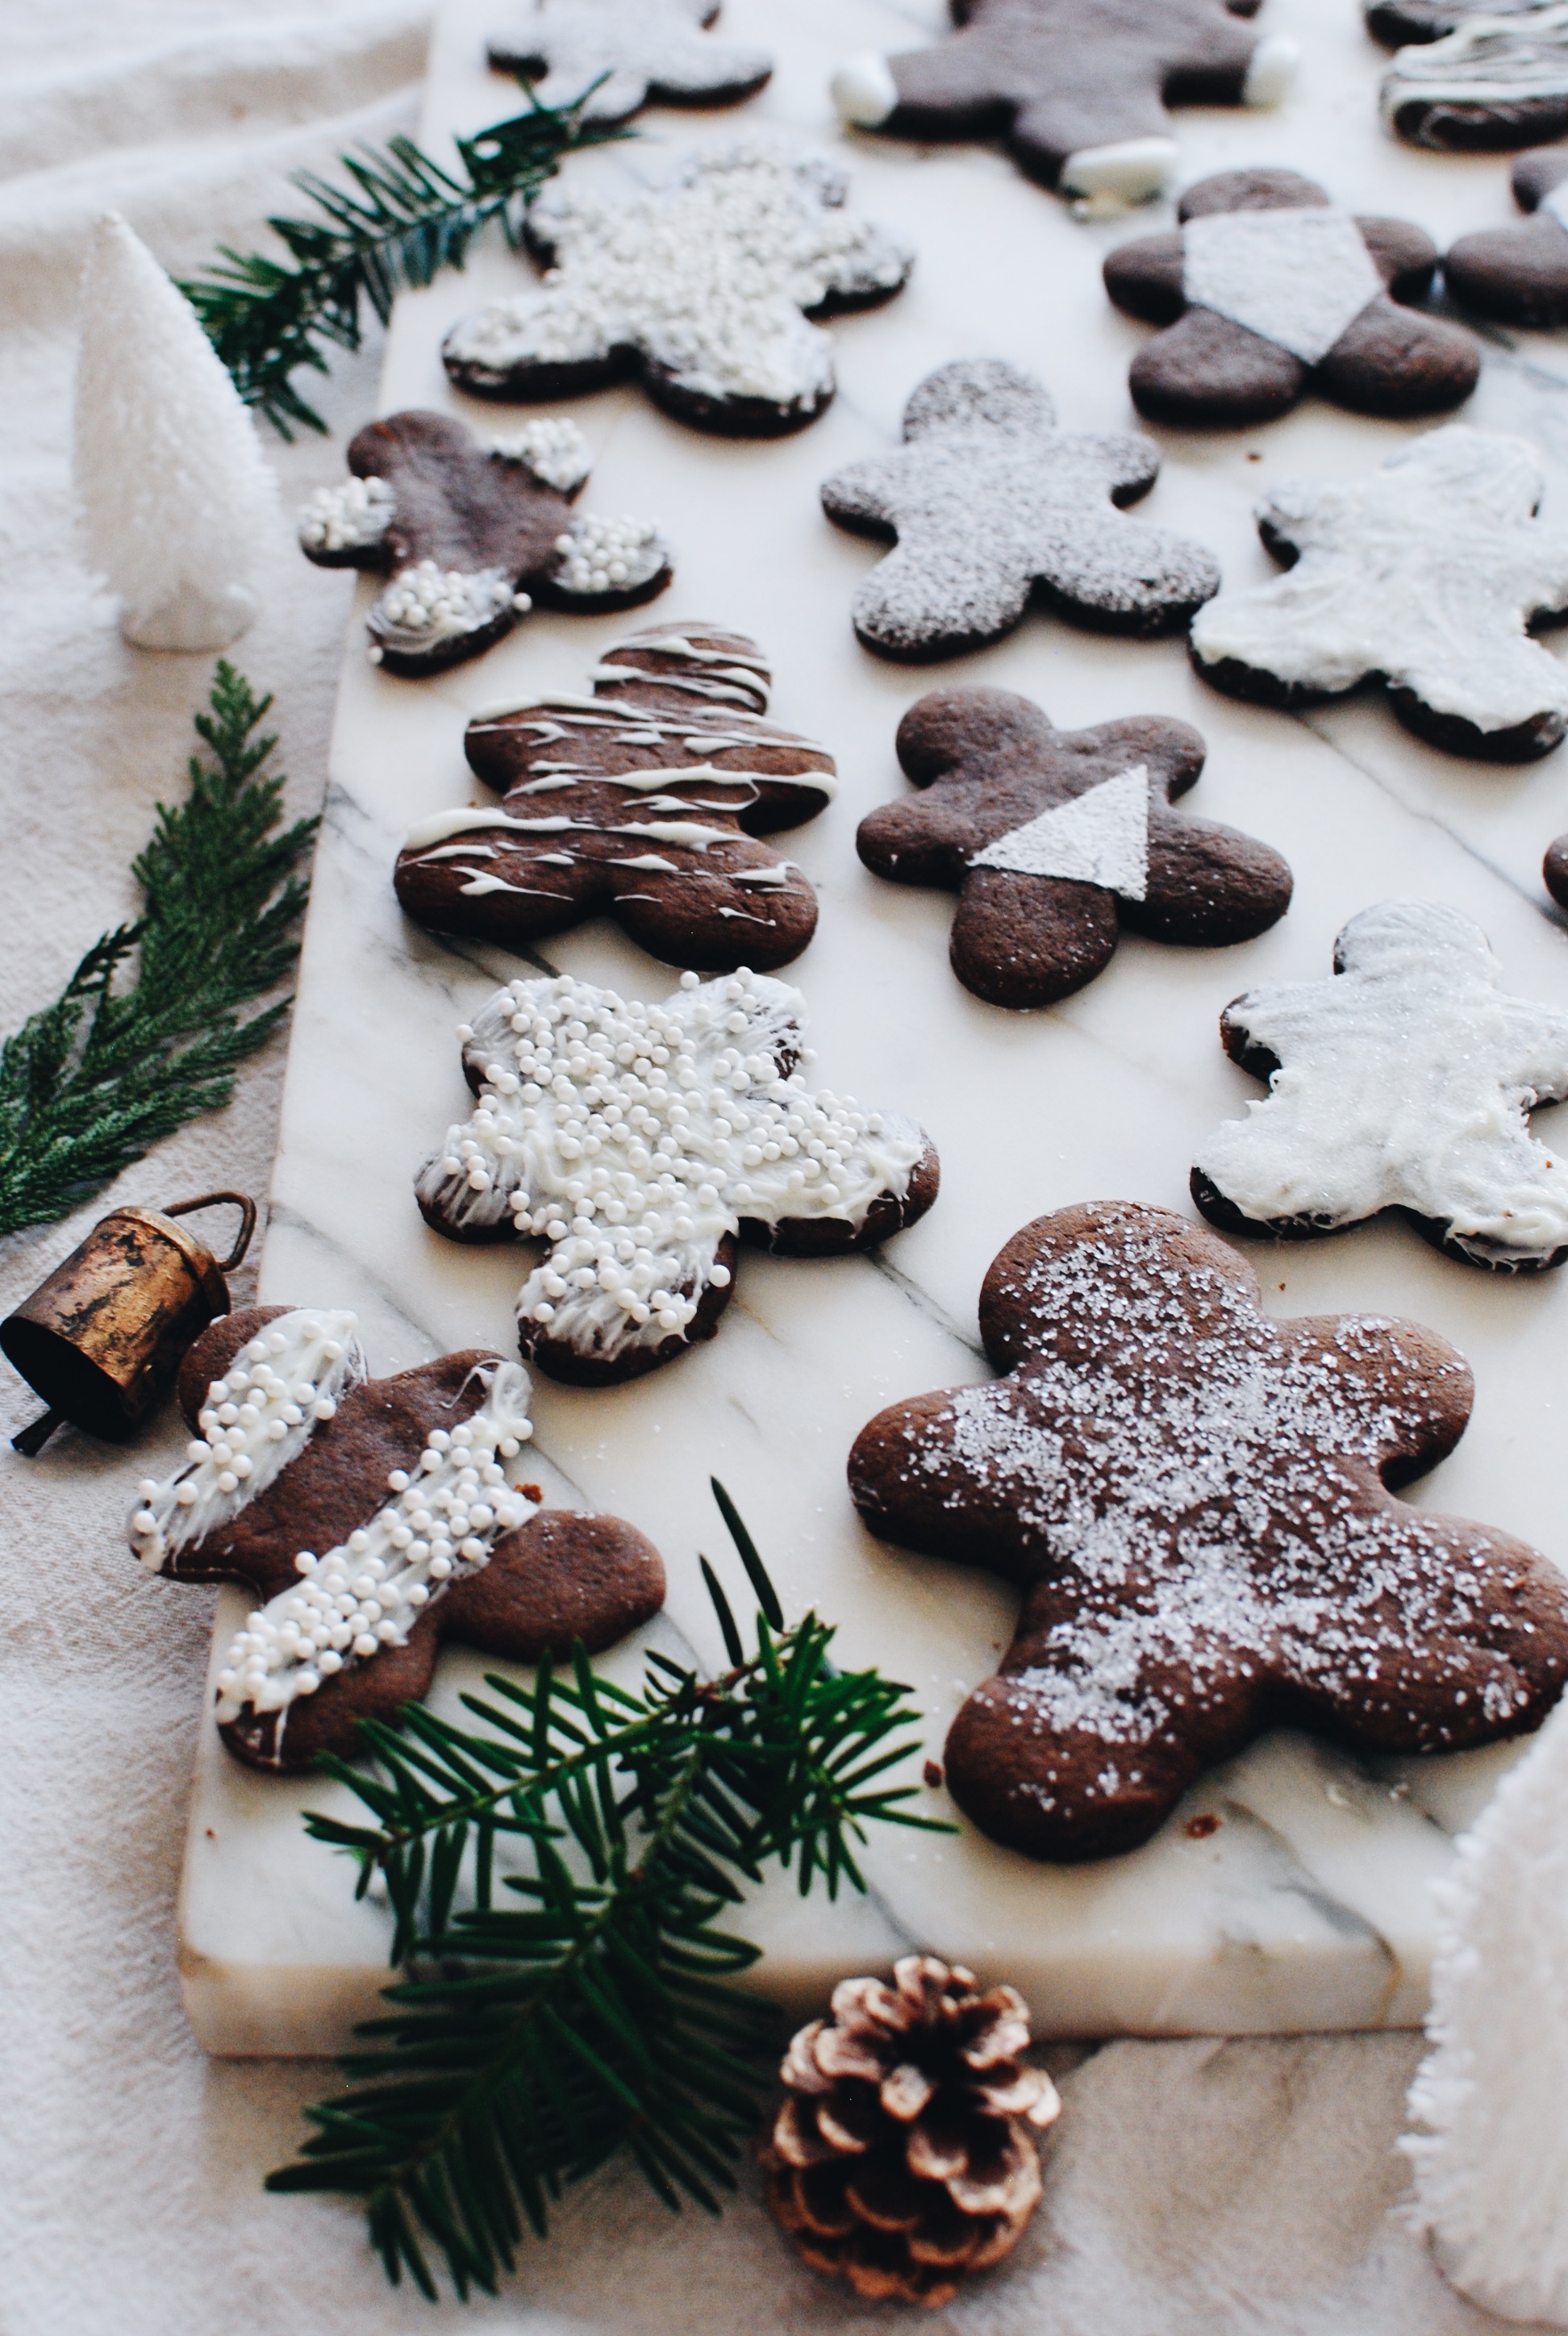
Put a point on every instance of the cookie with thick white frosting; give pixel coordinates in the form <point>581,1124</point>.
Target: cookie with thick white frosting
<point>1057,840</point>
<point>1499,79</point>
<point>1428,572</point>
<point>641,1144</point>
<point>1267,290</point>
<point>1518,274</point>
<point>1195,1502</point>
<point>1079,87</point>
<point>626,55</point>
<point>1405,1082</point>
<point>472,536</point>
<point>704,288</point>
<point>370,1519</point>
<point>991,507</point>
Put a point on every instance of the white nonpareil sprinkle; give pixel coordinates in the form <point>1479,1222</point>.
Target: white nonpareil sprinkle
<point>424,605</point>
<point>347,518</point>
<point>608,555</point>
<point>552,448</point>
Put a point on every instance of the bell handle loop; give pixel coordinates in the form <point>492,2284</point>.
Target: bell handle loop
<point>240,1201</point>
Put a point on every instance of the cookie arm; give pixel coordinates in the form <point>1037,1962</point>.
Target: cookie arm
<point>1396,1381</point>
<point>912,1488</point>
<point>863,496</point>
<point>1208,886</point>
<point>1144,277</point>
<point>1540,1059</point>
<point>557,1579</point>
<point>920,843</point>
<point>1403,254</point>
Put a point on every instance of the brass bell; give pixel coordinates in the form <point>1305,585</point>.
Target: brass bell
<point>102,1339</point>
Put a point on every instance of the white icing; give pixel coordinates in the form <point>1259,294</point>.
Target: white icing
<point>634,1138</point>
<point>349,518</point>
<point>629,47</point>
<point>424,606</point>
<point>552,448</point>
<point>1124,172</point>
<point>706,279</point>
<point>1406,1081</point>
<point>440,1528</point>
<point>608,555</point>
<point>1272,71</point>
<point>1426,573</point>
<point>1098,837</point>
<point>1298,277</point>
<point>256,1419</point>
<point>1493,65</point>
<point>864,91</point>
<point>444,823</point>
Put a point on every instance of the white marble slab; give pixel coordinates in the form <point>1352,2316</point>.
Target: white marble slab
<point>1308,1906</point>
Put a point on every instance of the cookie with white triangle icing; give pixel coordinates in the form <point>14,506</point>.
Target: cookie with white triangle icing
<point>1056,840</point>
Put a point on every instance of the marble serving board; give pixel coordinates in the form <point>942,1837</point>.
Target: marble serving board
<point>1307,1905</point>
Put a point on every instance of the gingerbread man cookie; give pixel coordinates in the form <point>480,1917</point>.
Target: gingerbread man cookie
<point>702,289</point>
<point>990,506</point>
<point>1195,1502</point>
<point>641,802</point>
<point>1498,80</point>
<point>1079,87</point>
<point>627,53</point>
<point>642,1142</point>
<point>1053,840</point>
<point>1268,290</point>
<point>1519,273</point>
<point>1427,573</point>
<point>370,1519</point>
<point>463,528</point>
<point>1406,1082</point>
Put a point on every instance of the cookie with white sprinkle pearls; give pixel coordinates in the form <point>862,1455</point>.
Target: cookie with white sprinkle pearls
<point>472,537</point>
<point>626,55</point>
<point>643,802</point>
<point>370,1519</point>
<point>643,1143</point>
<point>1196,1503</point>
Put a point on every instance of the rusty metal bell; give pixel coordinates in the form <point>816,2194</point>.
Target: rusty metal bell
<point>102,1339</point>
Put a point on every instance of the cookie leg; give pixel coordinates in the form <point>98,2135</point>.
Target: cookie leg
<point>1206,370</point>
<point>1023,941</point>
<point>1119,152</point>
<point>1395,361</point>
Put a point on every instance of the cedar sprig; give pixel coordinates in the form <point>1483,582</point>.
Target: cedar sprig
<point>556,1877</point>
<point>89,1083</point>
<point>404,217</point>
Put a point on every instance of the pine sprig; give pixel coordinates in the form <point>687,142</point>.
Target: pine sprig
<point>587,2005</point>
<point>403,219</point>
<point>89,1083</point>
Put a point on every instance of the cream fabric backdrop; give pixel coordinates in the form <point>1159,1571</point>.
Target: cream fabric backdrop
<point>1196,2190</point>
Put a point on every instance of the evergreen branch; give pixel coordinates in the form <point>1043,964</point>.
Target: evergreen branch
<point>404,218</point>
<point>589,2008</point>
<point>89,1083</point>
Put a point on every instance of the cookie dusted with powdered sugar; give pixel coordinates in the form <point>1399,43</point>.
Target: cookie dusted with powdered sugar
<point>370,1519</point>
<point>642,801</point>
<point>461,529</point>
<point>1499,79</point>
<point>990,506</point>
<point>1195,1502</point>
<point>704,288</point>
<point>1054,839</point>
<point>1405,1082</point>
<point>643,1143</point>
<point>1267,290</point>
<point>626,55</point>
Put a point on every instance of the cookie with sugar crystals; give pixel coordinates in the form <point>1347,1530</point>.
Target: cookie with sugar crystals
<point>1195,1502</point>
<point>990,507</point>
<point>1054,839</point>
<point>637,51</point>
<point>1497,80</point>
<point>1267,290</point>
<point>642,801</point>
<point>1404,1082</point>
<point>1518,274</point>
<point>1079,88</point>
<point>370,1519</point>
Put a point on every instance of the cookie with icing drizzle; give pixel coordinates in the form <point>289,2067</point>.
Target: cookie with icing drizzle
<point>1079,88</point>
<point>1400,24</point>
<point>991,507</point>
<point>1429,573</point>
<point>1406,1082</point>
<point>1195,1502</point>
<point>1054,839</point>
<point>1267,290</point>
<point>1518,274</point>
<point>627,53</point>
<point>704,290</point>
<point>1497,80</point>
<point>472,537</point>
<point>642,801</point>
<point>643,1143</point>
<point>370,1519</point>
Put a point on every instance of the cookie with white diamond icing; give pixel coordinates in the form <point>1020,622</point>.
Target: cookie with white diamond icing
<point>706,288</point>
<point>370,1519</point>
<point>1498,80</point>
<point>1056,840</point>
<point>1267,290</point>
<point>1518,274</point>
<point>626,55</point>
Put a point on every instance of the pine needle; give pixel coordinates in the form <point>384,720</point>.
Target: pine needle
<point>89,1083</point>
<point>404,218</point>
<point>587,2008</point>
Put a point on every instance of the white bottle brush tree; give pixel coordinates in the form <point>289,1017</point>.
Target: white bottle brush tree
<point>179,505</point>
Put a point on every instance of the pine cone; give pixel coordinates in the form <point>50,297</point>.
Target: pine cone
<point>903,2157</point>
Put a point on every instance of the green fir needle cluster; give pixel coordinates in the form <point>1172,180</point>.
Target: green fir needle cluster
<point>403,219</point>
<point>557,1877</point>
<point>89,1083</point>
